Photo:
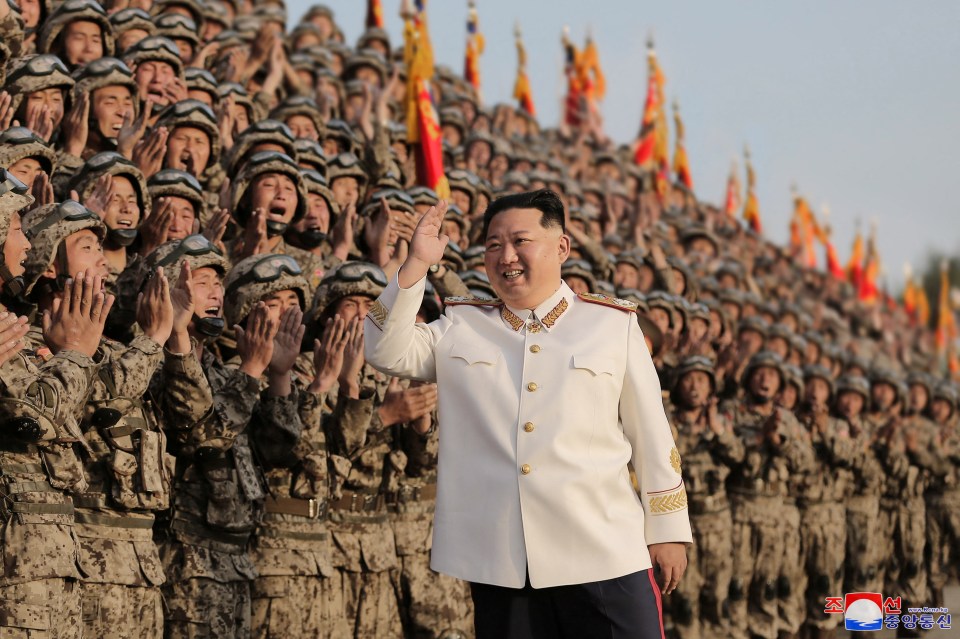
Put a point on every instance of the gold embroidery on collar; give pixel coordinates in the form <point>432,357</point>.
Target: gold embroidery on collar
<point>511,318</point>
<point>551,318</point>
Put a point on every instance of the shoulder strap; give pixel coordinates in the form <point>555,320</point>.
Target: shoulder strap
<point>608,301</point>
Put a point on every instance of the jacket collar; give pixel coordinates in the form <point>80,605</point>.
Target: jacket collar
<point>544,317</point>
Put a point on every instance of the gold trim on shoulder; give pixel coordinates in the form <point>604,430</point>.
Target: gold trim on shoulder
<point>471,301</point>
<point>551,318</point>
<point>611,302</point>
<point>511,318</point>
<point>671,502</point>
<point>378,314</point>
<point>675,459</point>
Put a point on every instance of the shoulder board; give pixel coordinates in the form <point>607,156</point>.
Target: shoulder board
<point>471,301</point>
<point>606,300</point>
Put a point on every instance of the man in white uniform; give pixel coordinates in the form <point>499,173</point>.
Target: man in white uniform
<point>545,397</point>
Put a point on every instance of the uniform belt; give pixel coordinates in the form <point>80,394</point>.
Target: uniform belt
<point>292,534</point>
<point>13,446</point>
<point>90,500</point>
<point>115,522</point>
<point>27,487</point>
<point>311,508</point>
<point>199,530</point>
<point>24,469</point>
<point>41,509</point>
<point>407,494</point>
<point>359,502</point>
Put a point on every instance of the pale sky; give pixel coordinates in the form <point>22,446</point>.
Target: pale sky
<point>856,102</point>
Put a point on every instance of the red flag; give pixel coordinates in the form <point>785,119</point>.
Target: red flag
<point>833,262</point>
<point>644,153</point>
<point>868,290</point>
<point>731,202</point>
<point>681,164</point>
<point>374,14</point>
<point>475,46</point>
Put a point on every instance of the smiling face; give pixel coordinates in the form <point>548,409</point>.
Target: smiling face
<point>207,292</point>
<point>181,225</point>
<point>84,253</point>
<point>280,301</point>
<point>523,258</point>
<point>110,105</point>
<point>15,247</point>
<point>123,211</point>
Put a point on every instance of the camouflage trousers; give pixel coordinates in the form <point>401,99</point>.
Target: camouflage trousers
<point>904,523</point>
<point>113,611</point>
<point>758,548</point>
<point>371,603</point>
<point>47,608</point>
<point>943,538</point>
<point>792,581</point>
<point>299,607</point>
<point>200,607</point>
<point>435,606</point>
<point>823,528</point>
<point>863,558</point>
<point>696,606</point>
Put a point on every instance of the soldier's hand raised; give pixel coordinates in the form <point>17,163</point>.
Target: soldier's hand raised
<point>426,247</point>
<point>328,355</point>
<point>400,406</point>
<point>255,343</point>
<point>75,323</point>
<point>352,360</point>
<point>155,308</point>
<point>286,343</point>
<point>12,330</point>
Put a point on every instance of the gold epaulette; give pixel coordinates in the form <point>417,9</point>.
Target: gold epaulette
<point>471,301</point>
<point>606,300</point>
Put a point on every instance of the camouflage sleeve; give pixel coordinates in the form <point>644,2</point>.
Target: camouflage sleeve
<point>67,167</point>
<point>926,452</point>
<point>233,403</point>
<point>376,153</point>
<point>598,257</point>
<point>11,33</point>
<point>351,420</point>
<point>184,394</point>
<point>728,446</point>
<point>795,447</point>
<point>132,367</point>
<point>278,428</point>
<point>450,285</point>
<point>420,449</point>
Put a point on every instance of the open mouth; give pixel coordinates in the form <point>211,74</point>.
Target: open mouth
<point>211,311</point>
<point>125,223</point>
<point>512,274</point>
<point>278,211</point>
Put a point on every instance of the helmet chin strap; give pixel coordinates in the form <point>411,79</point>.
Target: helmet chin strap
<point>13,286</point>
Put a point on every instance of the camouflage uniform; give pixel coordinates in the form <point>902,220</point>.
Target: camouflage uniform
<point>697,606</point>
<point>39,464</point>
<point>759,493</point>
<point>127,467</point>
<point>943,502</point>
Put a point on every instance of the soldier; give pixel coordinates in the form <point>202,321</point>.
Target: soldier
<point>863,502</point>
<point>40,402</point>
<point>108,86</point>
<point>312,237</point>
<point>127,466</point>
<point>708,447</point>
<point>943,493</point>
<point>775,448</point>
<point>78,32</point>
<point>821,494</point>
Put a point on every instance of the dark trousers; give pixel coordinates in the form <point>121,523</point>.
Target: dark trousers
<point>627,607</point>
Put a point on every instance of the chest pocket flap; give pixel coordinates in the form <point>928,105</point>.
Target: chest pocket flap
<point>475,353</point>
<point>596,364</point>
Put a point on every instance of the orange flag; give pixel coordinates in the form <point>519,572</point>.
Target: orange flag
<point>731,201</point>
<point>423,124</point>
<point>833,262</point>
<point>751,208</point>
<point>681,164</point>
<point>592,80</point>
<point>475,46</point>
<point>855,264</point>
<point>573,104</point>
<point>868,290</point>
<point>807,230</point>
<point>374,14</point>
<point>946,322</point>
<point>521,88</point>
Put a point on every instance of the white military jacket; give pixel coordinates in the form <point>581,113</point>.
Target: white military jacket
<point>540,413</point>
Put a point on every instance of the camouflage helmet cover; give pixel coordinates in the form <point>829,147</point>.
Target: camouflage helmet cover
<point>18,143</point>
<point>76,11</point>
<point>46,236</point>
<point>263,163</point>
<point>350,278</point>
<point>111,163</point>
<point>22,80</point>
<point>242,291</point>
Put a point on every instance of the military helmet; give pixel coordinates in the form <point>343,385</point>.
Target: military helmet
<point>424,195</point>
<point>177,27</point>
<point>695,363</point>
<point>269,131</point>
<point>474,256</point>
<point>581,269</point>
<point>664,301</point>
<point>202,80</point>
<point>880,375</point>
<point>14,197</point>
<point>259,164</point>
<point>349,278</point>
<point>793,375</point>
<point>457,216</point>
<point>947,392</point>
<point>47,227</point>
<point>341,132</point>
<point>155,49</point>
<point>18,143</point>
<point>258,276</point>
<point>195,7</point>
<point>35,73</point>
<point>130,19</point>
<point>271,12</point>
<point>299,105</point>
<point>196,114</point>
<point>371,34</point>
<point>816,371</point>
<point>479,284</point>
<point>854,384</point>
<point>464,181</point>
<point>75,11</point>
<point>197,250</point>
<point>111,163</point>
<point>922,378</point>
<point>365,58</point>
<point>311,153</point>
<point>754,323</point>
<point>215,11</point>
<point>106,72</point>
<point>346,165</point>
<point>633,258</point>
<point>173,182</point>
<point>397,200</point>
<point>765,359</point>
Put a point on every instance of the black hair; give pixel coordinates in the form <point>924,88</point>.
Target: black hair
<point>544,200</point>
